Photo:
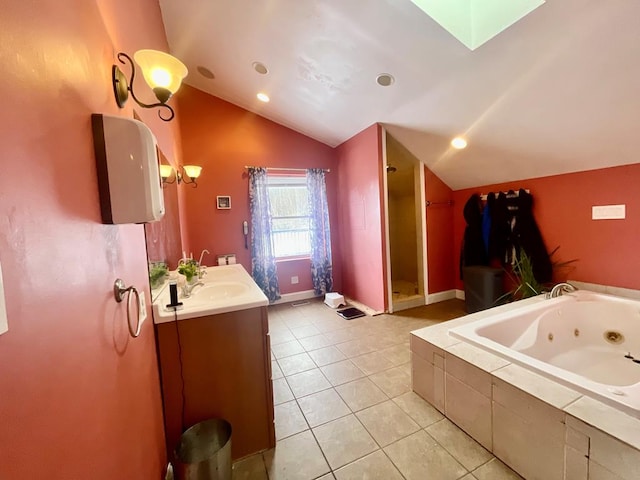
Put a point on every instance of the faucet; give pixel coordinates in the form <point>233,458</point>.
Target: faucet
<point>559,289</point>
<point>202,270</point>
<point>188,289</point>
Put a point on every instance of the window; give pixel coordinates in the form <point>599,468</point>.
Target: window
<point>289,199</point>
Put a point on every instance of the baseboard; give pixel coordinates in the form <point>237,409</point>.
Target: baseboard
<point>459,294</point>
<point>400,305</point>
<point>295,297</point>
<point>440,296</point>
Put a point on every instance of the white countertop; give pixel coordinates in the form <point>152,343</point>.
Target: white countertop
<point>226,288</point>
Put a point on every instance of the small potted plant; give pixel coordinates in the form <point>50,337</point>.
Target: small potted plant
<point>189,270</point>
<point>157,273</point>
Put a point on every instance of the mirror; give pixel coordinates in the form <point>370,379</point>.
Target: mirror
<point>164,243</point>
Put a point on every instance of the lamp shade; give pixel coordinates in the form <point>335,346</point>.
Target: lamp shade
<point>161,70</point>
<point>165,171</point>
<point>192,171</point>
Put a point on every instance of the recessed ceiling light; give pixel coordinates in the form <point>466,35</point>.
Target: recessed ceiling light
<point>263,97</point>
<point>385,79</point>
<point>260,68</point>
<point>205,72</point>
<point>459,143</point>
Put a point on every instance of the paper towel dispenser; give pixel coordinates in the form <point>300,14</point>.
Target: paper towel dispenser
<point>128,173</point>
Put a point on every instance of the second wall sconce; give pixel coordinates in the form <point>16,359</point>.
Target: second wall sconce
<point>183,174</point>
<point>162,72</point>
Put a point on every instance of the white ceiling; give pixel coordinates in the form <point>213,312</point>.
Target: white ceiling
<point>556,92</point>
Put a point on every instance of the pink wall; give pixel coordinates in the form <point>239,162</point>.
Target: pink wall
<point>223,138</point>
<point>361,223</point>
<point>607,250</point>
<point>440,248</point>
<point>80,398</point>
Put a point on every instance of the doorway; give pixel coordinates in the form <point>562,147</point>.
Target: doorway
<point>405,225</point>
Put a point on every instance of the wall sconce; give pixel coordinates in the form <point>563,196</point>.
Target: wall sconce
<point>162,72</point>
<point>192,172</point>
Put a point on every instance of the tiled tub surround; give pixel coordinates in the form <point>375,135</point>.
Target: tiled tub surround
<point>540,428</point>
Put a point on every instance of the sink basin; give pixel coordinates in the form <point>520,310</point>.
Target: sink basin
<point>214,292</point>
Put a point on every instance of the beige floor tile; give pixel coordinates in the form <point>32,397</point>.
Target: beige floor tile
<point>353,348</point>
<point>304,332</point>
<point>494,469</point>
<point>340,336</point>
<point>281,336</point>
<point>296,458</point>
<point>361,393</point>
<point>421,411</point>
<point>463,448</point>
<point>300,362</point>
<point>372,362</point>
<point>287,349</point>
<point>250,468</point>
<point>322,407</point>
<point>393,382</point>
<point>289,420</point>
<point>397,354</point>
<point>276,373</point>
<point>341,372</point>
<point>469,476</point>
<point>387,423</point>
<point>327,355</point>
<point>308,382</point>
<point>344,440</point>
<point>419,457</point>
<point>375,466</point>
<point>297,322</point>
<point>314,343</point>
<point>281,391</point>
<point>328,476</point>
<point>330,324</point>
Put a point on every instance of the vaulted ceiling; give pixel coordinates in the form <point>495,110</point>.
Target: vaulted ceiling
<point>556,92</point>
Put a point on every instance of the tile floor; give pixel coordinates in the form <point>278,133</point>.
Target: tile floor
<point>344,408</point>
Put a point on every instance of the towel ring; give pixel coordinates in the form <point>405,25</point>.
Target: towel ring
<point>119,289</point>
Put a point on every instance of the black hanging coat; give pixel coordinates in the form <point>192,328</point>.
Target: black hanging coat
<point>473,251</point>
<point>526,236</point>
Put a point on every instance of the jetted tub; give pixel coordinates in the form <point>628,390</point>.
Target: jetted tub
<point>581,339</point>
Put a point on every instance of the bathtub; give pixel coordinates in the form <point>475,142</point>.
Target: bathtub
<point>584,340</point>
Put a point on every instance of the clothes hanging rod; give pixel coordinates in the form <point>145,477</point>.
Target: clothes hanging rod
<point>431,204</point>
<point>327,170</point>
<point>515,193</point>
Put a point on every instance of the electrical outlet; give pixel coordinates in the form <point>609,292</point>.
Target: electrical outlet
<point>143,308</point>
<point>4,325</point>
<point>294,280</point>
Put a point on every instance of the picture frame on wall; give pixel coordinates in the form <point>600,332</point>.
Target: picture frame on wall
<point>223,202</point>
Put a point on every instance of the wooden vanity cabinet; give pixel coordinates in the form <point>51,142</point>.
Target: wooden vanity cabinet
<point>226,366</point>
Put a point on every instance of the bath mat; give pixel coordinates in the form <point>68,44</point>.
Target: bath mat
<point>351,312</point>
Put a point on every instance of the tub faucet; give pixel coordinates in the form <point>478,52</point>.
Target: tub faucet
<point>559,289</point>
<point>188,289</point>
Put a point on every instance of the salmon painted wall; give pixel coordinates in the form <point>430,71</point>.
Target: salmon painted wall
<point>440,247</point>
<point>361,223</point>
<point>223,138</point>
<point>607,250</point>
<point>80,398</point>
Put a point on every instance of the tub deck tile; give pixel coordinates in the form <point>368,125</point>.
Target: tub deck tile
<point>542,388</point>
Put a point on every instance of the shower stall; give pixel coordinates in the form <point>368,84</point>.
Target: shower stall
<point>405,225</point>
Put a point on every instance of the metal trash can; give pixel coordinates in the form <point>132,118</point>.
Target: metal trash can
<point>482,287</point>
<point>204,451</point>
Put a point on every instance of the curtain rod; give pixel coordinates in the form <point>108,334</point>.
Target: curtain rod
<point>327,170</point>
<point>429,203</point>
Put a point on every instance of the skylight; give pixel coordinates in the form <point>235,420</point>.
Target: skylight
<point>474,22</point>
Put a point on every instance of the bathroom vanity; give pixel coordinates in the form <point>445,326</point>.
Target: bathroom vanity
<point>215,359</point>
